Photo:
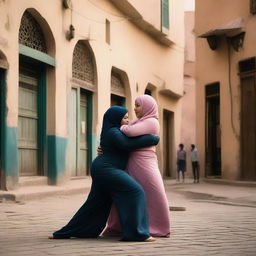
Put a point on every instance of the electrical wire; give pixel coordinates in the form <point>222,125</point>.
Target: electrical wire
<point>97,21</point>
<point>123,18</point>
<point>230,92</point>
<point>176,48</point>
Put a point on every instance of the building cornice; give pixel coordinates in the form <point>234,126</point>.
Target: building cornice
<point>137,19</point>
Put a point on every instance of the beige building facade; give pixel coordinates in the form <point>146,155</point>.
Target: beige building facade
<point>188,123</point>
<point>225,88</point>
<point>63,63</point>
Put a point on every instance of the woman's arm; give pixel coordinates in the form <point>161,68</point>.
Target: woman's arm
<point>123,142</point>
<point>148,126</point>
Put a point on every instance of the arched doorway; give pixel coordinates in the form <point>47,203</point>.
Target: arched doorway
<point>33,63</point>
<point>83,84</point>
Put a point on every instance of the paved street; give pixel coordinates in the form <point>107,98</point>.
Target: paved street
<point>207,227</point>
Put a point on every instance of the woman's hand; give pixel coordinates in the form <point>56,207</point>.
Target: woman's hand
<point>99,150</point>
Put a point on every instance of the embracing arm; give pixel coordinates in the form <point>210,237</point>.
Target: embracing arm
<point>148,126</point>
<point>125,143</point>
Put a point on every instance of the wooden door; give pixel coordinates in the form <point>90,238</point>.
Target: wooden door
<point>82,170</point>
<point>72,134</point>
<point>213,144</point>
<point>248,127</point>
<point>213,135</point>
<point>77,160</point>
<point>28,123</point>
<point>168,142</point>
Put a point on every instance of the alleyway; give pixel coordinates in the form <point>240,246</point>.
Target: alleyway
<point>207,227</point>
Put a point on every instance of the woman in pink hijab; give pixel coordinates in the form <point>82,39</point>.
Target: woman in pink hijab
<point>143,167</point>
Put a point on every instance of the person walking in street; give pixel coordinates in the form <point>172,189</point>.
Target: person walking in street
<point>181,162</point>
<point>195,163</point>
<point>111,184</point>
<point>143,167</point>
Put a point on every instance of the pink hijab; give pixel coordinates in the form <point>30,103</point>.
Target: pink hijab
<point>149,107</point>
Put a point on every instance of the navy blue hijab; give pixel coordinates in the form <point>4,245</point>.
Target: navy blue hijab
<point>112,118</point>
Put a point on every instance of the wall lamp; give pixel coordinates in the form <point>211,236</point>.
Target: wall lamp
<point>70,33</point>
<point>66,4</point>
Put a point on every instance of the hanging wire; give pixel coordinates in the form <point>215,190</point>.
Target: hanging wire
<point>122,18</point>
<point>175,47</point>
<point>230,92</point>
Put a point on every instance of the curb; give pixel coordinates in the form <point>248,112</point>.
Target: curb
<point>25,193</point>
<point>17,197</point>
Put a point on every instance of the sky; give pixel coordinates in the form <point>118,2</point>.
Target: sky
<point>189,5</point>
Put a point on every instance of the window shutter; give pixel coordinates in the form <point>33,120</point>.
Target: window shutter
<point>165,13</point>
<point>253,7</point>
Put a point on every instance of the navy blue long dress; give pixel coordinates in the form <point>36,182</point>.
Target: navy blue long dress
<point>111,184</point>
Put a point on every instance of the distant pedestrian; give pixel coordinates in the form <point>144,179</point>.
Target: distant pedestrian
<point>181,162</point>
<point>195,163</point>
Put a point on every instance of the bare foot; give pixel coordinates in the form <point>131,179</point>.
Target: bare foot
<point>150,239</point>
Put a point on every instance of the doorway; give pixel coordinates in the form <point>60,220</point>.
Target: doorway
<point>31,120</point>
<point>117,100</point>
<point>213,138</point>
<point>248,119</point>
<point>168,135</point>
<point>80,122</point>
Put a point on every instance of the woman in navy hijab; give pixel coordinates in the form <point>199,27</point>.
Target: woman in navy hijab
<point>111,184</point>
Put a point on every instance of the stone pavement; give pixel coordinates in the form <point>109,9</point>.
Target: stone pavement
<point>219,220</point>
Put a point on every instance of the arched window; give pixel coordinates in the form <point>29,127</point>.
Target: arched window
<point>117,85</point>
<point>83,84</point>
<point>82,65</point>
<point>31,34</point>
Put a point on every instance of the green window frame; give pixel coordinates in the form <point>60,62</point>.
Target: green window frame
<point>165,14</point>
<point>2,123</point>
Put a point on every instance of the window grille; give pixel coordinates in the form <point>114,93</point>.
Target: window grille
<point>117,85</point>
<point>31,34</point>
<point>82,66</point>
